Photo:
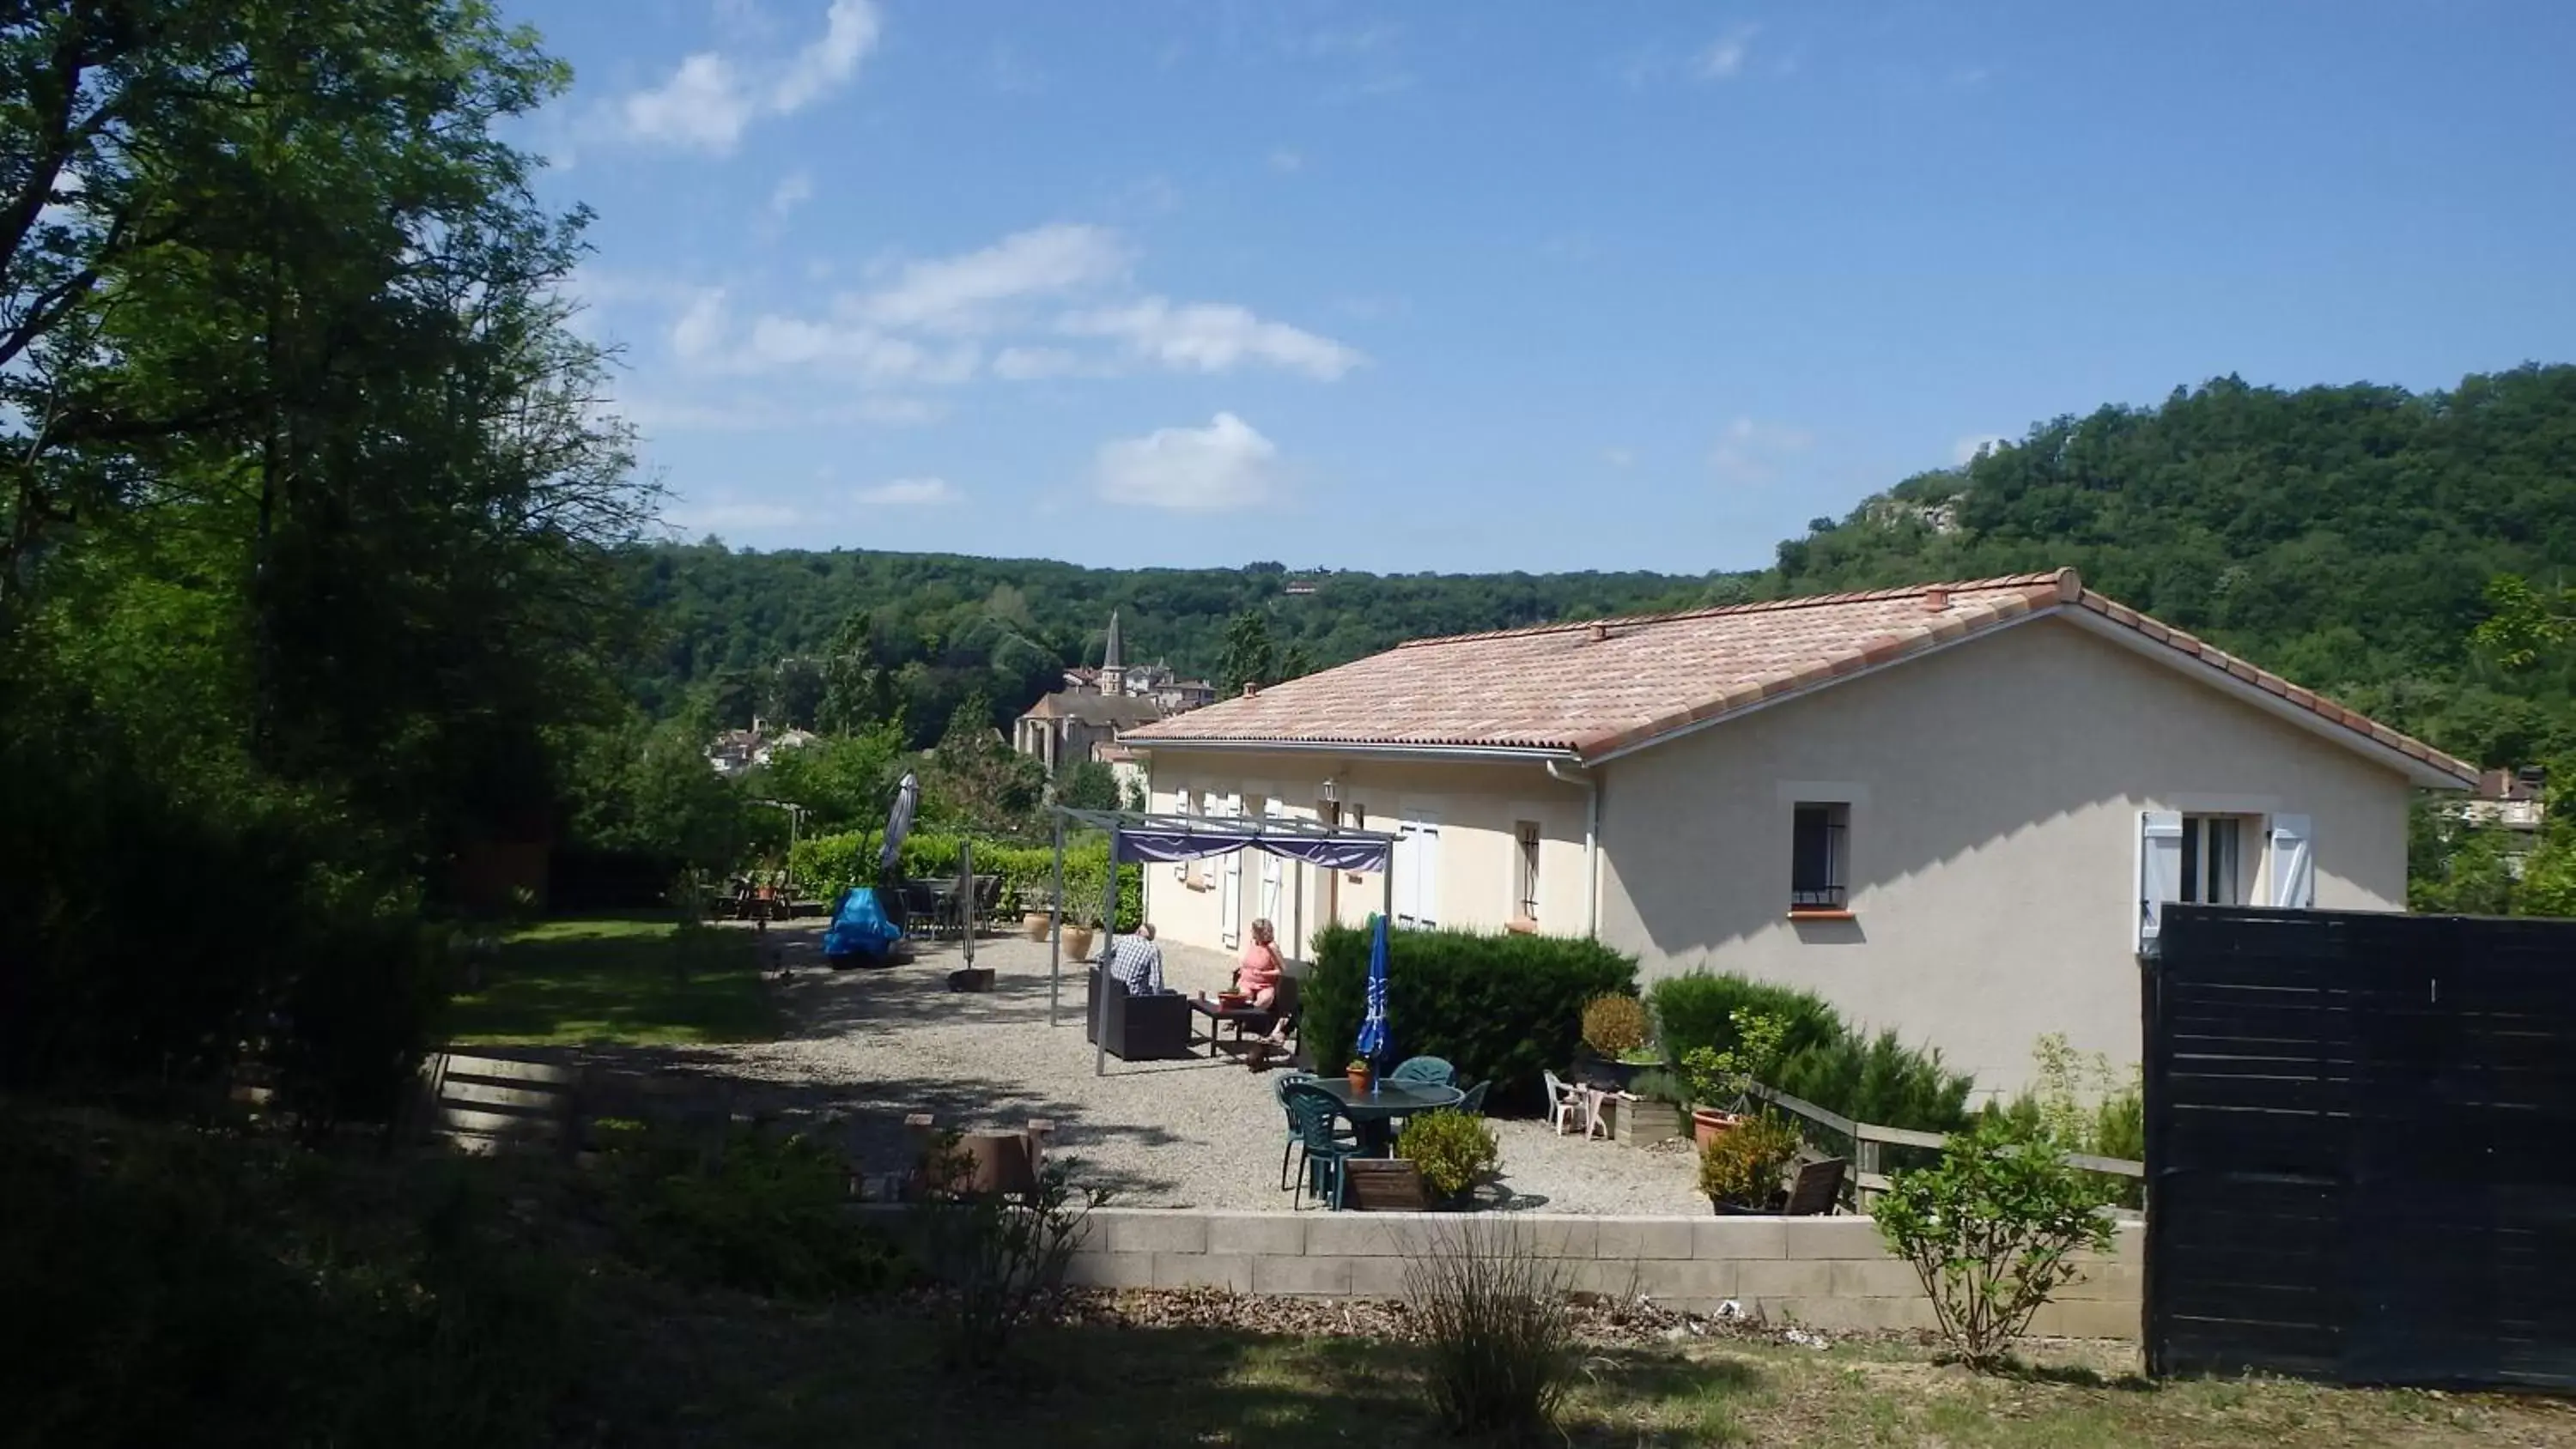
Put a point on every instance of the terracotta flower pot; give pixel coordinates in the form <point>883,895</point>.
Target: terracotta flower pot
<point>1077,941</point>
<point>1036,924</point>
<point>1359,1079</point>
<point>1707,1123</point>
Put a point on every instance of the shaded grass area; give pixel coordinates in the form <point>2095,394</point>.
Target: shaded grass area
<point>184,1285</point>
<point>805,1380</point>
<point>628,981</point>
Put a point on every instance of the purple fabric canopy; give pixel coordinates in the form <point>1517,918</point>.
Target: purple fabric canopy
<point>1175,842</point>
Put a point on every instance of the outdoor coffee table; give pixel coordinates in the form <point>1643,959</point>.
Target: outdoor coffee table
<point>1374,1110</point>
<point>1242,1016</point>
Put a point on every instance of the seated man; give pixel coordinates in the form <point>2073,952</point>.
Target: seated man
<point>1136,962</point>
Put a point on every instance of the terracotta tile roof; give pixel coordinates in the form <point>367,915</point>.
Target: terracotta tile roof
<point>1591,689</point>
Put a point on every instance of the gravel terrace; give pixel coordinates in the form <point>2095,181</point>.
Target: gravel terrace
<point>870,1046</point>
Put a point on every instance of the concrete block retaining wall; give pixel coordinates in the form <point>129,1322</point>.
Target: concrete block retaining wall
<point>1829,1273</point>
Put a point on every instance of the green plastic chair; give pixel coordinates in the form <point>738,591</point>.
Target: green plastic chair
<point>1311,1112</point>
<point>1279,1088</point>
<point>1473,1104</point>
<point>1424,1069</point>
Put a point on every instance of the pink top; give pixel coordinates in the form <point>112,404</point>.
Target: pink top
<point>1260,968</point>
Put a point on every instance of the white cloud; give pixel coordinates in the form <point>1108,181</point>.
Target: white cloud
<point>702,413</point>
<point>1749,451</point>
<point>849,32</point>
<point>793,190</point>
<point>1284,159</point>
<point>899,412</point>
<point>700,329</point>
<point>1221,466</point>
<point>962,293</point>
<point>711,98</point>
<point>1212,337</point>
<point>1723,59</point>
<point>876,357</point>
<point>1965,450</point>
<point>912,493</point>
<point>1024,364</point>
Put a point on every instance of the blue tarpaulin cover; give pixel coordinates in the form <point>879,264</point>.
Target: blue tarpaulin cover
<point>859,926</point>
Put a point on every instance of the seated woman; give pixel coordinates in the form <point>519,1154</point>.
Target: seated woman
<point>1258,975</point>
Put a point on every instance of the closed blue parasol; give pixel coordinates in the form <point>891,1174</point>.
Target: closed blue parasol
<point>1372,1042</point>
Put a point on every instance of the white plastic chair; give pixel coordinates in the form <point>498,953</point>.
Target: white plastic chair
<point>1568,1103</point>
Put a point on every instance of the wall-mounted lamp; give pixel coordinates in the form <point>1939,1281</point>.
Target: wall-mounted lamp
<point>1330,791</point>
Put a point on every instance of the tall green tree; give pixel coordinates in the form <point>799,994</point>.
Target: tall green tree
<point>307,512</point>
<point>1250,655</point>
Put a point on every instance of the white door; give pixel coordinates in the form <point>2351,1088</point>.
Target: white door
<point>1229,888</point>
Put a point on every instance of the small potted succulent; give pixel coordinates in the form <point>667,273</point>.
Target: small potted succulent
<point>1359,1072</point>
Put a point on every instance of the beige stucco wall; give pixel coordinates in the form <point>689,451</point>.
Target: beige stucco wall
<point>1477,806</point>
<point>1994,794</point>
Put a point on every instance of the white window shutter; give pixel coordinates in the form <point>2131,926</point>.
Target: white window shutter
<point>2159,870</point>
<point>1426,872</point>
<point>2294,862</point>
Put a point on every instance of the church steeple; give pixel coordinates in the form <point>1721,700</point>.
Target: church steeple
<point>1113,661</point>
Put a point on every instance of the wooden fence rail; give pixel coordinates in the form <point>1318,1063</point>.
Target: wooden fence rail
<point>1868,1137</point>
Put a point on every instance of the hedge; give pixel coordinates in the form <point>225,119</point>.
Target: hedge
<point>1869,1079</point>
<point>1499,1007</point>
<point>832,863</point>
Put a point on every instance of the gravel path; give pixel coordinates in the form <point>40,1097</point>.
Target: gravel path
<point>871,1046</point>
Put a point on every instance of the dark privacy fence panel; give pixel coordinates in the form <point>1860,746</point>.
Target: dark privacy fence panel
<point>2361,1147</point>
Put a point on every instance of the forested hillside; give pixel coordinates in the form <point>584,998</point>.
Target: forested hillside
<point>739,631</point>
<point>2344,536</point>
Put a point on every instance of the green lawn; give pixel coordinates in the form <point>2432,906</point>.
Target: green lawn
<point>638,982</point>
<point>831,1378</point>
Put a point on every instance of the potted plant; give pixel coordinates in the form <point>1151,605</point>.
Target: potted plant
<point>1719,1081</point>
<point>1359,1072</point>
<point>1077,935</point>
<point>1617,1031</point>
<point>1036,922</point>
<point>1452,1151</point>
<point>1740,1169</point>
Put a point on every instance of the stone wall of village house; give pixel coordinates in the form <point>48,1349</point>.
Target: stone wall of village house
<point>1478,808</point>
<point>1994,793</point>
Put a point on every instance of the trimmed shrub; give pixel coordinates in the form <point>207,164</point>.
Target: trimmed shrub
<point>1881,1080</point>
<point>1698,1010</point>
<point>1869,1079</point>
<point>1497,1006</point>
<point>1452,1150</point>
<point>1615,1025</point>
<point>831,864</point>
<point>1743,1165</point>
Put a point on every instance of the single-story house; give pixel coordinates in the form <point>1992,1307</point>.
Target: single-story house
<point>1952,809</point>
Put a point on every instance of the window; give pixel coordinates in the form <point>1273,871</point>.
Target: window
<point>2209,859</point>
<point>1817,854</point>
<point>1525,872</point>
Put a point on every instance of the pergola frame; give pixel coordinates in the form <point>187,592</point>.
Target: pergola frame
<point>1283,836</point>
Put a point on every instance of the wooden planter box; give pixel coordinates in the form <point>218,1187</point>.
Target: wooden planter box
<point>1643,1122</point>
<point>1383,1185</point>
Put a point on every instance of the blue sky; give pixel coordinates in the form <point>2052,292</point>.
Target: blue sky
<point>1504,285</point>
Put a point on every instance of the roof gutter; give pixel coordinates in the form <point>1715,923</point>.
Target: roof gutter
<point>1591,841</point>
<point>1498,754</point>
